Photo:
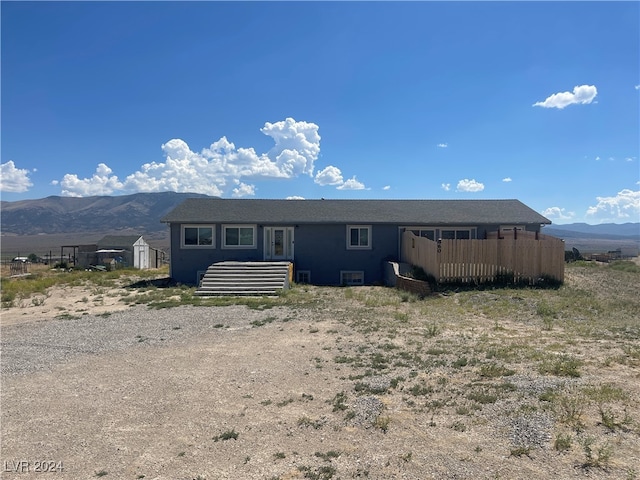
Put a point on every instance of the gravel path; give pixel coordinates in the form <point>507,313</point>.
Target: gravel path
<point>32,347</point>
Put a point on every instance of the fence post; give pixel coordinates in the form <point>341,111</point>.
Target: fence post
<point>498,268</point>
<point>438,260</point>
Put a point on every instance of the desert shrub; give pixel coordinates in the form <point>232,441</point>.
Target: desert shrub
<point>563,443</point>
<point>227,435</point>
<point>493,370</point>
<point>596,455</point>
<point>561,366</point>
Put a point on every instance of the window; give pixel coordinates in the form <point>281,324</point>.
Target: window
<point>358,237</point>
<point>303,276</point>
<point>459,234</point>
<point>239,236</point>
<point>197,235</point>
<point>348,277</point>
<point>429,233</point>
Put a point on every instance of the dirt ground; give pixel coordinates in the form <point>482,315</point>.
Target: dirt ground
<point>71,301</point>
<point>282,394</point>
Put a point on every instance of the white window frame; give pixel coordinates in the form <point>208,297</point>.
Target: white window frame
<point>198,226</point>
<point>239,226</point>
<point>351,273</point>
<point>305,273</point>
<point>359,227</point>
<point>420,230</point>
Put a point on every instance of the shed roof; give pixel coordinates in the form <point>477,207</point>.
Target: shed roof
<point>404,212</point>
<point>111,241</point>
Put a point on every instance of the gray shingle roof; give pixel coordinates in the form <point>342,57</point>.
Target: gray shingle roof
<point>121,241</point>
<point>405,212</point>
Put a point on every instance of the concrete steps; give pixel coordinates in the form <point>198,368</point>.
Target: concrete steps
<point>245,279</point>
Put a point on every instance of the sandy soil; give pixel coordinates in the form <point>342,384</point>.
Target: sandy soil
<point>265,397</point>
<point>71,301</point>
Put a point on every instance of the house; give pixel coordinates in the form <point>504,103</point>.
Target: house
<point>329,242</point>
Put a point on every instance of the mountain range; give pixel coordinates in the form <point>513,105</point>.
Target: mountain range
<point>68,219</point>
<point>612,231</point>
<point>139,212</point>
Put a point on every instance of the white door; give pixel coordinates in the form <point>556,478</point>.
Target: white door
<point>278,243</point>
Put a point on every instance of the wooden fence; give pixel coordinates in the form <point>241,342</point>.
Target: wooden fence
<point>516,256</point>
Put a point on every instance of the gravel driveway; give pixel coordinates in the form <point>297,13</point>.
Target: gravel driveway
<point>28,348</point>
<point>237,393</point>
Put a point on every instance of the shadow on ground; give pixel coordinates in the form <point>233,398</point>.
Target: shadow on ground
<point>164,282</point>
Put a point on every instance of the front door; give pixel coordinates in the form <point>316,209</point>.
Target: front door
<point>278,243</point>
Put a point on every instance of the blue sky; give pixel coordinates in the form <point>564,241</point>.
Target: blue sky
<point>537,101</point>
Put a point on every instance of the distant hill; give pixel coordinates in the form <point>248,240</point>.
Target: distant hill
<point>598,238</point>
<point>619,231</point>
<point>139,212</point>
<point>38,225</point>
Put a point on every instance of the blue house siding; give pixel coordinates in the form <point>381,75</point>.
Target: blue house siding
<point>322,250</point>
<point>187,262</point>
<point>319,249</point>
<point>320,234</point>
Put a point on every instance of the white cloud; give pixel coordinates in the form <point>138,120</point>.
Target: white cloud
<point>101,183</point>
<point>469,186</point>
<point>597,159</point>
<point>333,176</point>
<point>297,144</point>
<point>294,197</point>
<point>582,94</point>
<point>352,184</point>
<point>386,187</point>
<point>443,145</point>
<point>12,179</point>
<point>329,176</point>
<point>558,213</point>
<point>446,187</point>
<point>637,87</point>
<point>215,170</point>
<point>624,206</point>
<point>507,179</point>
<point>243,190</point>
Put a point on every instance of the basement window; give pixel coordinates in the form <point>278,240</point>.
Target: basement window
<point>197,236</point>
<point>303,276</point>
<point>351,277</point>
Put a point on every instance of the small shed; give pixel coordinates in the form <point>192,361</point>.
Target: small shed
<point>118,251</point>
<point>141,255</point>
